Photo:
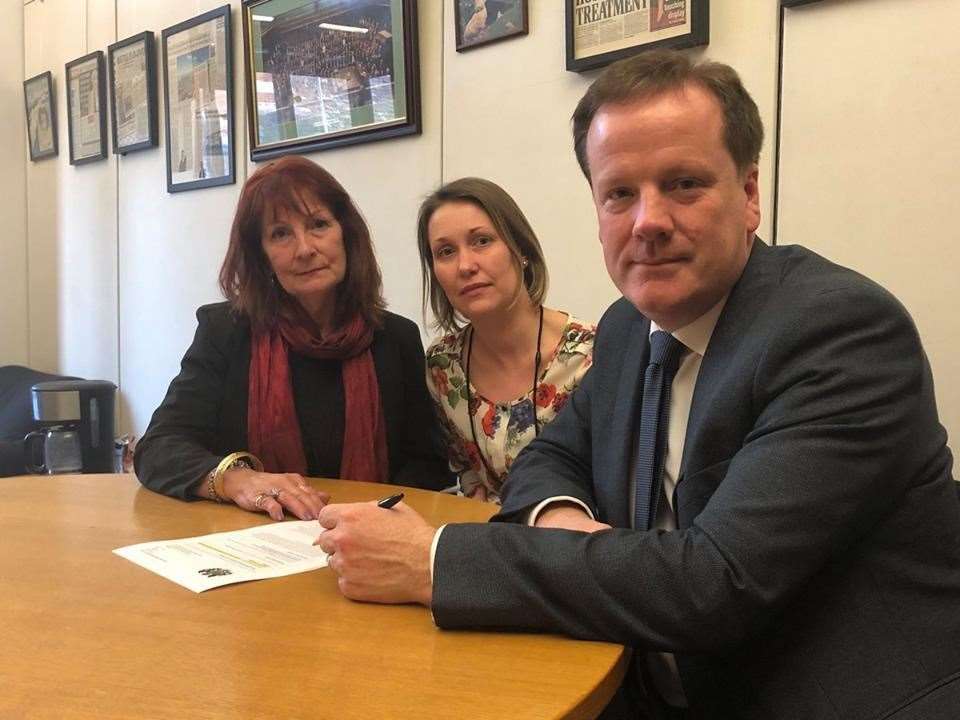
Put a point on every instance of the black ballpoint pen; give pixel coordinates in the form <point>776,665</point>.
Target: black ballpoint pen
<point>389,502</point>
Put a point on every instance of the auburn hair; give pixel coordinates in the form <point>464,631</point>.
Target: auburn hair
<point>246,278</point>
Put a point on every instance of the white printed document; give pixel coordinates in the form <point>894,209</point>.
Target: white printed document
<point>209,561</point>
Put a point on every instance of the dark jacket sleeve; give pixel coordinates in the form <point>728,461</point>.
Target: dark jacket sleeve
<point>180,445</point>
<point>418,456</point>
<point>845,437</point>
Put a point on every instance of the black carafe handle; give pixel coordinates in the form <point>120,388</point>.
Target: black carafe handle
<point>29,443</point>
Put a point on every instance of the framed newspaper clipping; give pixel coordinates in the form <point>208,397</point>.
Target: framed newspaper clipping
<point>327,73</point>
<point>133,93</point>
<point>198,107</point>
<point>38,99</point>
<point>600,32</point>
<point>87,108</point>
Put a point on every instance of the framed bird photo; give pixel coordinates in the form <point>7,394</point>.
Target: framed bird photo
<point>481,22</point>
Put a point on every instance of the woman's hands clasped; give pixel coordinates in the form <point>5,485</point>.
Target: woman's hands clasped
<point>271,493</point>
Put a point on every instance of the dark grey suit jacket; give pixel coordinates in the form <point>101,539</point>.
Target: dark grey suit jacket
<point>816,569</point>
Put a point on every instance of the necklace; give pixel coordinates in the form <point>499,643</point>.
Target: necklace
<point>533,397</point>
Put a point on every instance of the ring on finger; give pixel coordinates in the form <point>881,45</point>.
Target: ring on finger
<point>275,493</point>
<point>258,500</point>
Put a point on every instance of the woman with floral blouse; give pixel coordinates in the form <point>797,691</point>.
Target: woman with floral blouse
<point>508,372</point>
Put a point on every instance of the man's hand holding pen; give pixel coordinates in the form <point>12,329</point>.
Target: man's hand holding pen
<point>380,552</point>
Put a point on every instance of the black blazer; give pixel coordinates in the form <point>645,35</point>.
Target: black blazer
<point>815,572</point>
<point>204,414</point>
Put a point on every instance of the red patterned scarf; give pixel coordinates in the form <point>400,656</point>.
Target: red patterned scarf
<point>273,431</point>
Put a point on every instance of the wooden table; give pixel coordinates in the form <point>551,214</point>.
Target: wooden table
<point>87,634</point>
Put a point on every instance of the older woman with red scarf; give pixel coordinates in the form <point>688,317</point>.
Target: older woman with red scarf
<point>302,372</point>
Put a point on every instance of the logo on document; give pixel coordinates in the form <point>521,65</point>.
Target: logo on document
<point>214,572</point>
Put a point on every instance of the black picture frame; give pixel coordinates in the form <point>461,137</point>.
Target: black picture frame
<point>296,83</point>
<point>489,22</point>
<point>133,96</point>
<point>678,24</point>
<point>39,102</point>
<point>198,102</point>
<point>796,3</point>
<point>85,79</point>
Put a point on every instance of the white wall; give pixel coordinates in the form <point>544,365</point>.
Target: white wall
<point>507,114</point>
<point>171,245</point>
<point>501,111</point>
<point>13,217</point>
<point>871,157</point>
<point>159,253</point>
<point>71,211</point>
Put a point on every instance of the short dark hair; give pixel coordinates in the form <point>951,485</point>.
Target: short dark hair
<point>653,73</point>
<point>511,225</point>
<point>246,277</point>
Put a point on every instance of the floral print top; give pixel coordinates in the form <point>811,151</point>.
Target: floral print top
<point>502,429</point>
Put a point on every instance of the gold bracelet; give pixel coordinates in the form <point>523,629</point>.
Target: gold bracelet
<point>230,461</point>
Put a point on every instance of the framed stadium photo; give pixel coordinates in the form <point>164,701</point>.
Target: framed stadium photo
<point>600,32</point>
<point>325,73</point>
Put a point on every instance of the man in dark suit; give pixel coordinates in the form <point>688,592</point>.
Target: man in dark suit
<point>751,487</point>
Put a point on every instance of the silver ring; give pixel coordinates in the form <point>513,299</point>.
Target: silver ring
<point>258,500</point>
<point>275,493</point>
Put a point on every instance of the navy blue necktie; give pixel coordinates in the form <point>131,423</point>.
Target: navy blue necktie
<point>665,352</point>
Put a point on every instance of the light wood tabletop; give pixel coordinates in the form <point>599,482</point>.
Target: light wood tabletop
<point>87,634</point>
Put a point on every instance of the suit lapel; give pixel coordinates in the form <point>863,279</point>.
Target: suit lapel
<point>622,426</point>
<point>741,307</point>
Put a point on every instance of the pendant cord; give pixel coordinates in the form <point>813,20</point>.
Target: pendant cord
<point>533,397</point>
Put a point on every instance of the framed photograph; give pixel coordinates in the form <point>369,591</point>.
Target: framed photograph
<point>328,73</point>
<point>41,116</point>
<point>133,93</point>
<point>86,108</point>
<point>198,89</point>
<point>481,22</point>
<point>601,32</point>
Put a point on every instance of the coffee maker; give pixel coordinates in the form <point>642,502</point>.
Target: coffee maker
<point>84,407</point>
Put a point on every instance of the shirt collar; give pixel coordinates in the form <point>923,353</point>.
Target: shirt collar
<point>696,335</point>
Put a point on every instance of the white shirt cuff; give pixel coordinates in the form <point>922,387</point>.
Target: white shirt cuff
<point>535,513</point>
<point>433,548</point>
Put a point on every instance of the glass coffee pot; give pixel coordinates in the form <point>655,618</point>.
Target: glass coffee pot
<point>57,448</point>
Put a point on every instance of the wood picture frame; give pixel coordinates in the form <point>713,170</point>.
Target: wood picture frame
<point>322,74</point>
